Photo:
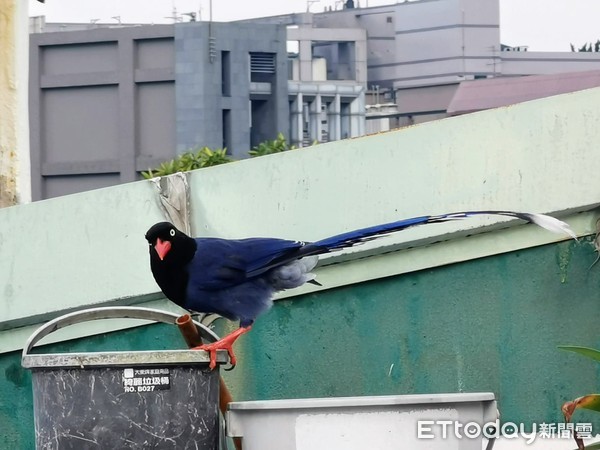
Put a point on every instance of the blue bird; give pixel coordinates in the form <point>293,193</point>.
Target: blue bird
<point>237,278</point>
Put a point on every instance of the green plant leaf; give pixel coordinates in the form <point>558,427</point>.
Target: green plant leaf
<point>585,351</point>
<point>277,145</point>
<point>190,160</point>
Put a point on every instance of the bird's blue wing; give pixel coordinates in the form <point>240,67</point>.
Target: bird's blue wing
<point>222,263</point>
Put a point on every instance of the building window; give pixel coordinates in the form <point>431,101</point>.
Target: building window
<point>225,73</point>
<point>262,62</point>
<point>226,126</point>
<point>262,66</point>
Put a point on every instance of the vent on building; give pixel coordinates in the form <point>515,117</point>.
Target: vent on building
<point>262,62</point>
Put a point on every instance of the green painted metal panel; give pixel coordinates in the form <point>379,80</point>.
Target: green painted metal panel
<point>491,324</point>
<point>16,404</point>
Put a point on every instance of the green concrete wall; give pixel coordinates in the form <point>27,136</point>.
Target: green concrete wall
<point>491,324</point>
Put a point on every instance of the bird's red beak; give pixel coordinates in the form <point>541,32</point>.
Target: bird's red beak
<point>162,248</point>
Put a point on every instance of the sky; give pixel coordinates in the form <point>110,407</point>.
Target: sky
<point>543,25</point>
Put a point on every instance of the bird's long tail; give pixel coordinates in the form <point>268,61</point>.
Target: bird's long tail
<point>352,238</point>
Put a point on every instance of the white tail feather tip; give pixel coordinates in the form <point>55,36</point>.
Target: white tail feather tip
<point>552,224</point>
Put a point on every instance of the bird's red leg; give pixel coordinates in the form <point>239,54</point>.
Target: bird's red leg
<point>225,343</point>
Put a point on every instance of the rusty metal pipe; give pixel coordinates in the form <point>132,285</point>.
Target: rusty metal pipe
<point>192,338</point>
<point>188,331</point>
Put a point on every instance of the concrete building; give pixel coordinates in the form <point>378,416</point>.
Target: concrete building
<point>172,87</point>
<point>230,85</point>
<point>328,82</point>
<point>109,102</point>
<point>418,52</point>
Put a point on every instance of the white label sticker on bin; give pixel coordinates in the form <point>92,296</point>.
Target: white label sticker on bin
<point>146,380</point>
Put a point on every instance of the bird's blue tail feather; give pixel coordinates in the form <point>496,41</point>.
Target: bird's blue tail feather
<point>351,238</point>
<point>355,237</point>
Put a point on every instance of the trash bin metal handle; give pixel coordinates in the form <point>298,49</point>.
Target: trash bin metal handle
<point>114,312</point>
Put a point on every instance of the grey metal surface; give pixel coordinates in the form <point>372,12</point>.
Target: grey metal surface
<point>112,312</point>
<point>81,409</point>
<point>110,359</point>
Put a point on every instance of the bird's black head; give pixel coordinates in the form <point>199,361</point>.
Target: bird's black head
<point>170,245</point>
<point>170,252</point>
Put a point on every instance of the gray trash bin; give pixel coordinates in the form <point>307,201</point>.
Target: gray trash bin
<point>118,400</point>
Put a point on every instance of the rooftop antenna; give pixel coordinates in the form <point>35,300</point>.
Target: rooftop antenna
<point>212,40</point>
<point>192,15</point>
<point>117,18</point>
<point>174,16</point>
<point>309,3</point>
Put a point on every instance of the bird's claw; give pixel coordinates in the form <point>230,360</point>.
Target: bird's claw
<point>225,343</point>
<point>212,351</point>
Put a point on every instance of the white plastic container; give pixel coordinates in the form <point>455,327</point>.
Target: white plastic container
<point>363,423</point>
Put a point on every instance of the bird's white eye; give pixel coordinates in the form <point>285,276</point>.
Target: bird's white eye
<point>172,232</point>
